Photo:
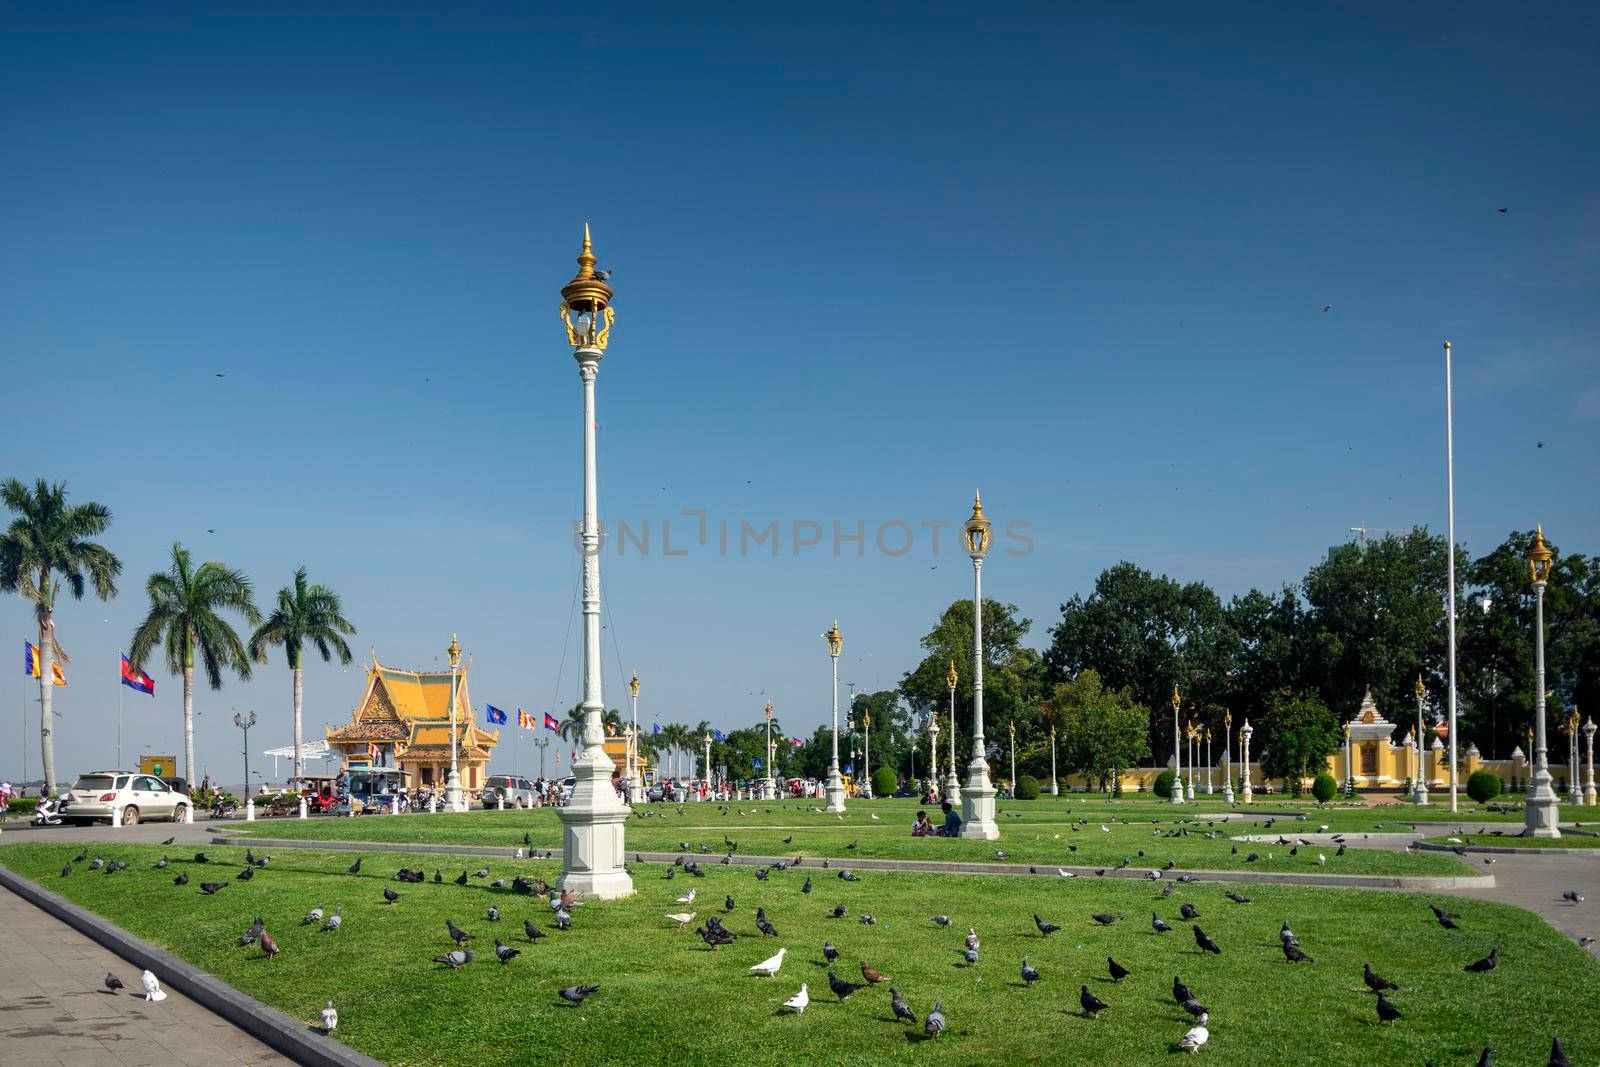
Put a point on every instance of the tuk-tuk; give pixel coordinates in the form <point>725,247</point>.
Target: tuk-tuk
<point>371,789</point>
<point>319,793</point>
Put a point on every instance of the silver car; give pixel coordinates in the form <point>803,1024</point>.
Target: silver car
<point>519,792</point>
<point>137,796</point>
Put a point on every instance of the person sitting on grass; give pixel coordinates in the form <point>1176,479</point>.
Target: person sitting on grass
<point>952,822</point>
<point>922,827</point>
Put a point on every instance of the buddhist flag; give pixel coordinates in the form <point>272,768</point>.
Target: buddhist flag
<point>525,720</point>
<point>550,723</point>
<point>137,679</point>
<point>495,715</point>
<point>611,729</point>
<point>374,753</point>
<point>30,664</point>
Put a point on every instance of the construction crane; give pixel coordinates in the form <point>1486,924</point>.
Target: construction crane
<point>1362,531</point>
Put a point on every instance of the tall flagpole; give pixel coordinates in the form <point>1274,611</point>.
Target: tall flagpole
<point>1450,522</point>
<point>119,714</point>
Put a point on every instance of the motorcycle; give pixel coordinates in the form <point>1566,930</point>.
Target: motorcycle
<point>45,814</point>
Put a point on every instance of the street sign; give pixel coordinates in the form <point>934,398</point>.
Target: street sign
<point>159,766</point>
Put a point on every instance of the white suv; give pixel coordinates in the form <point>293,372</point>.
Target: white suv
<point>137,796</point>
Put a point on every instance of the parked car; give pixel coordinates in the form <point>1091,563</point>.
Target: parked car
<point>518,791</point>
<point>137,796</point>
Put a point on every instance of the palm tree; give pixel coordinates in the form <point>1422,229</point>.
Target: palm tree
<point>304,613</point>
<point>49,538</point>
<point>697,741</point>
<point>184,606</point>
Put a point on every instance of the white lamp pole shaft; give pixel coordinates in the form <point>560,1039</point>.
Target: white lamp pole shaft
<point>1450,566</point>
<point>978,753</point>
<point>1541,811</point>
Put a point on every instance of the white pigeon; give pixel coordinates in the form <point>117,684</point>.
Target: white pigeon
<point>1322,861</point>
<point>1105,829</point>
<point>682,918</point>
<point>1197,1036</point>
<point>769,967</point>
<point>840,818</point>
<point>330,1018</point>
<point>1065,874</point>
<point>874,816</point>
<point>1454,840</point>
<point>799,1001</point>
<point>1323,828</point>
<point>152,988</point>
<point>687,898</point>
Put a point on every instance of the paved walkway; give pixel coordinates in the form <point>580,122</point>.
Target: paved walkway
<point>55,1012</point>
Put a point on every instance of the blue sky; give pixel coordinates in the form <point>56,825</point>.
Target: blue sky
<point>865,261</point>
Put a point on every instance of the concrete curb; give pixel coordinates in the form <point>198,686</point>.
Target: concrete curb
<point>1333,881</point>
<point>1428,846</point>
<point>287,1035</point>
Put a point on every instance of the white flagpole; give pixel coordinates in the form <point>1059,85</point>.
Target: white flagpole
<point>1450,520</point>
<point>119,711</point>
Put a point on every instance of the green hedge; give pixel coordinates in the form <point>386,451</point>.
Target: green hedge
<point>1163,786</point>
<point>1027,787</point>
<point>1483,786</point>
<point>22,806</point>
<point>1324,788</point>
<point>884,782</point>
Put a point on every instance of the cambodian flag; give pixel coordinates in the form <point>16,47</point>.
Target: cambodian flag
<point>797,742</point>
<point>551,723</point>
<point>137,679</point>
<point>495,715</point>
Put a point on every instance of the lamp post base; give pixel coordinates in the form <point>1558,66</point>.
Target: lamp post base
<point>453,799</point>
<point>635,791</point>
<point>1589,795</point>
<point>1248,795</point>
<point>1227,793</point>
<point>952,788</point>
<point>1419,795</point>
<point>770,787</point>
<point>1542,810</point>
<point>1177,791</point>
<point>977,805</point>
<point>1055,788</point>
<point>592,833</point>
<point>835,790</point>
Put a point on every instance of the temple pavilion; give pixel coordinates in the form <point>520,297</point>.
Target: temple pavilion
<point>403,720</point>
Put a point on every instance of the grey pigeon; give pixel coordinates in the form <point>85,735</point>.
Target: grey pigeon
<point>66,870</point>
<point>1488,963</point>
<point>458,935</point>
<point>1203,939</point>
<point>1375,981</point>
<point>1188,912</point>
<point>1029,975</point>
<point>113,983</point>
<point>334,921</point>
<point>1045,929</point>
<point>494,915</point>
<point>902,1010</point>
<point>840,987</point>
<point>971,955</point>
<point>252,935</point>
<point>577,994</point>
<point>182,879</point>
<point>455,959</point>
<point>162,864</point>
<point>1092,1005</point>
<point>390,895</point>
<point>1292,953</point>
<point>1158,924</point>
<point>1117,970</point>
<point>1387,1012</point>
<point>829,953</point>
<point>1558,1058</point>
<point>1105,919</point>
<point>354,868</point>
<point>505,953</point>
<point>944,920</point>
<point>1193,1007</point>
<point>312,916</point>
<point>933,1025</point>
<point>96,863</point>
<point>533,932</point>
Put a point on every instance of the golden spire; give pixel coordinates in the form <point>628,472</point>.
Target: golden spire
<point>1539,557</point>
<point>976,529</point>
<point>950,676</point>
<point>633,683</point>
<point>1422,690</point>
<point>589,297</point>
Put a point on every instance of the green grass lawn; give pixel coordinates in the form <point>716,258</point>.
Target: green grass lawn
<point>1037,834</point>
<point>665,997</point>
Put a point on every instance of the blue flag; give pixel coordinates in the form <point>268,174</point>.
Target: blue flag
<point>719,735</point>
<point>496,716</point>
<point>655,728</point>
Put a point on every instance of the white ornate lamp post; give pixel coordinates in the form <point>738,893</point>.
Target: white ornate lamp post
<point>1227,757</point>
<point>1244,745</point>
<point>635,786</point>
<point>1208,760</point>
<point>453,799</point>
<point>835,787</point>
<point>1011,728</point>
<point>1055,787</point>
<point>771,784</point>
<point>952,783</point>
<point>707,778</point>
<point>1574,790</point>
<point>977,805</point>
<point>1589,795</point>
<point>1419,784</point>
<point>593,819</point>
<point>1541,812</point>
<point>1193,733</point>
<point>933,747</point>
<point>866,754</point>
<point>1177,749</point>
<point>1349,766</point>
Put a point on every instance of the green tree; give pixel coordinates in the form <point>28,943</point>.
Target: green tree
<point>1148,634</point>
<point>1496,642</point>
<point>1375,618</point>
<point>1013,675</point>
<point>1270,635</point>
<point>1101,731</point>
<point>46,544</point>
<point>1298,734</point>
<point>305,612</point>
<point>186,603</point>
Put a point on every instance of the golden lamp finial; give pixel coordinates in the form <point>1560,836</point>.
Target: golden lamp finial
<point>633,685</point>
<point>589,298</point>
<point>1422,690</point>
<point>950,676</point>
<point>835,639</point>
<point>454,652</point>
<point>1176,700</point>
<point>769,711</point>
<point>1539,557</point>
